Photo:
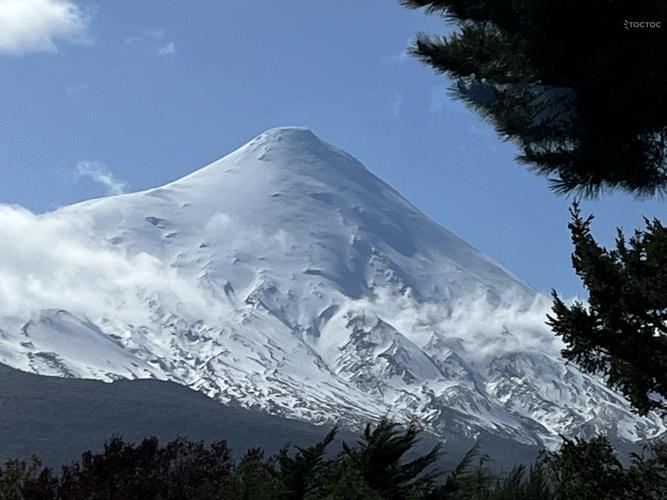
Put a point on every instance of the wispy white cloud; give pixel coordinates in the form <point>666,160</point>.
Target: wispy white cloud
<point>398,102</point>
<point>76,88</point>
<point>39,25</point>
<point>144,35</point>
<point>167,49</point>
<point>154,40</point>
<point>398,58</point>
<point>98,172</point>
<point>441,101</point>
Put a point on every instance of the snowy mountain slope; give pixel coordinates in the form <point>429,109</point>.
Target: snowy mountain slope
<point>287,277</point>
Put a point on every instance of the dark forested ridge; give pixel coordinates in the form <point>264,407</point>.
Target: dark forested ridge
<point>58,418</point>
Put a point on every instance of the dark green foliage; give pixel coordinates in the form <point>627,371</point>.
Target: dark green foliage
<point>254,478</point>
<point>344,482</point>
<point>300,475</point>
<point>477,483</point>
<point>584,97</point>
<point>519,485</point>
<point>374,469</point>
<point>378,458</point>
<point>648,476</point>
<point>20,480</point>
<point>516,485</point>
<point>180,470</point>
<point>622,332</point>
<point>590,470</point>
<point>464,481</point>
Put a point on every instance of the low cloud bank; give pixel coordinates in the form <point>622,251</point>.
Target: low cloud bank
<point>54,261</point>
<point>49,262</point>
<point>473,324</point>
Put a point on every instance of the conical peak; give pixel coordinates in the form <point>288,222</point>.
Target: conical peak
<point>287,137</point>
<point>290,133</point>
<point>297,147</point>
<point>284,150</point>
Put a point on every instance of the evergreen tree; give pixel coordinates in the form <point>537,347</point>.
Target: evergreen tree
<point>178,471</point>
<point>466,481</point>
<point>577,85</point>
<point>622,331</point>
<point>20,480</point>
<point>648,476</point>
<point>343,481</point>
<point>378,458</point>
<point>300,475</point>
<point>254,478</point>
<point>589,470</point>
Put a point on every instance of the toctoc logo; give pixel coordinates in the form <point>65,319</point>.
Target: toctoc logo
<point>641,24</point>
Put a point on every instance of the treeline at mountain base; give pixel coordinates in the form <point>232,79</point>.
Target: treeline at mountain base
<point>382,464</point>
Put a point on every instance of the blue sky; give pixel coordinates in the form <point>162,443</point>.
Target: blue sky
<point>102,97</point>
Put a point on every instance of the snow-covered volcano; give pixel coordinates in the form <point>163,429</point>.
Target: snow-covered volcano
<point>287,277</point>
